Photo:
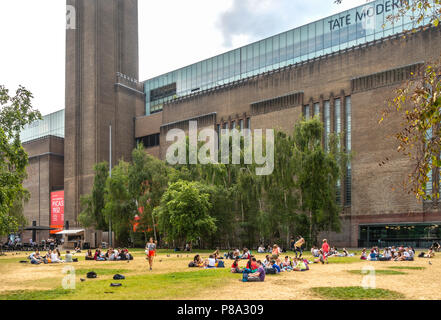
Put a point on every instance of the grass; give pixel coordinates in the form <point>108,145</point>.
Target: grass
<point>355,293</point>
<point>407,268</point>
<point>382,272</point>
<point>178,285</point>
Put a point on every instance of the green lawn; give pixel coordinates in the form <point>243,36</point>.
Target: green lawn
<point>377,272</point>
<point>355,293</point>
<point>179,285</point>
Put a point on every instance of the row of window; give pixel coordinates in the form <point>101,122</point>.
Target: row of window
<point>150,141</point>
<point>344,30</point>
<point>313,109</point>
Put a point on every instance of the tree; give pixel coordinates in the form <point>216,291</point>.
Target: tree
<point>93,204</point>
<point>120,208</point>
<point>184,212</point>
<point>148,180</point>
<point>15,113</point>
<point>316,175</point>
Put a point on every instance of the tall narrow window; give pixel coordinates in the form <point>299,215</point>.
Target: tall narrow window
<point>327,123</point>
<point>307,112</point>
<point>348,128</point>
<point>241,124</point>
<point>429,184</point>
<point>316,109</point>
<point>337,130</point>
<point>233,125</point>
<point>249,123</point>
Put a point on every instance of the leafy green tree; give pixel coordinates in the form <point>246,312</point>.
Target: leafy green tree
<point>15,112</point>
<point>120,208</point>
<point>148,180</point>
<point>184,213</point>
<point>93,204</point>
<point>316,174</point>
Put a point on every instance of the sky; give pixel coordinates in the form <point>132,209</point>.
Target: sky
<point>172,34</point>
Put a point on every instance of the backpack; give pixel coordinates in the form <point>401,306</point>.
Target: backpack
<point>91,275</point>
<point>421,255</point>
<point>245,277</point>
<point>191,264</point>
<point>220,264</point>
<point>118,277</point>
<point>270,271</point>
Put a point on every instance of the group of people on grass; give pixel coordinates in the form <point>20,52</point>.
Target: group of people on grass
<point>394,254</point>
<point>110,255</point>
<point>52,256</point>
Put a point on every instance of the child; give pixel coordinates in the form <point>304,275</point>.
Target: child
<point>363,254</point>
<point>287,265</point>
<point>235,266</point>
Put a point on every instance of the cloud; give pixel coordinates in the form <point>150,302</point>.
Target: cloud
<point>251,20</point>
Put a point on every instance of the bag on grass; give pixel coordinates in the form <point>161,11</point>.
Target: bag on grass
<point>91,275</point>
<point>270,271</point>
<point>115,284</point>
<point>191,265</point>
<point>118,277</point>
<point>220,264</point>
<point>421,255</point>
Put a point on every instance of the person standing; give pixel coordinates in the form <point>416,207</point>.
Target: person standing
<point>151,251</point>
<point>298,246</point>
<point>325,249</point>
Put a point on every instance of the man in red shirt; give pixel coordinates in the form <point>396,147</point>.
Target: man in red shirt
<point>325,249</point>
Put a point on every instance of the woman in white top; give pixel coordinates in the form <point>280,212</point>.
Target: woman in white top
<point>211,261</point>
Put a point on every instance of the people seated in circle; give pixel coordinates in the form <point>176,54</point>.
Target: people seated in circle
<point>286,265</point>
<point>300,265</point>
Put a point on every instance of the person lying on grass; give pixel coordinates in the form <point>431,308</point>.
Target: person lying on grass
<point>259,275</point>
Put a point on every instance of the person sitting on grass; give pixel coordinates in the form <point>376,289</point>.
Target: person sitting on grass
<point>89,255</point>
<point>372,256</point>
<point>322,258</point>
<point>35,257</point>
<point>198,262</point>
<point>301,265</point>
<point>363,254</point>
<point>287,265</point>
<point>315,252</point>
<point>259,275</point>
<point>261,249</point>
<point>55,258</point>
<point>211,262</point>
<point>68,257</point>
<point>267,261</point>
<point>216,254</point>
<point>245,254</point>
<point>275,266</point>
<point>235,266</point>
<point>276,251</point>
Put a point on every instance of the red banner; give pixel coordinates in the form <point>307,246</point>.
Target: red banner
<point>57,211</point>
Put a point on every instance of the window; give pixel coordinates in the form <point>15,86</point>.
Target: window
<point>348,128</point>
<point>316,109</point>
<point>307,112</point>
<point>241,124</point>
<point>327,123</point>
<point>233,125</point>
<point>248,123</point>
<point>150,141</point>
<point>337,118</point>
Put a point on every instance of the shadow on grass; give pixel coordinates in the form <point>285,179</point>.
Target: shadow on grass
<point>355,293</point>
